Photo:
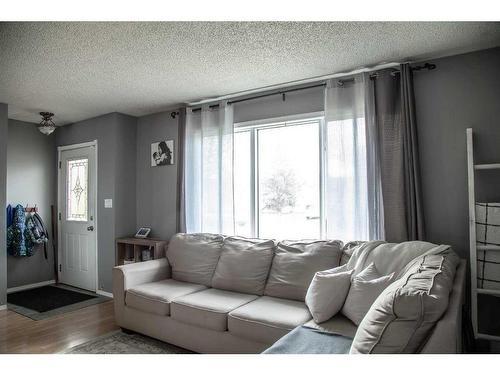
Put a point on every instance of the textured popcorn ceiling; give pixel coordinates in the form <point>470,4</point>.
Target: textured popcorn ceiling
<point>81,70</point>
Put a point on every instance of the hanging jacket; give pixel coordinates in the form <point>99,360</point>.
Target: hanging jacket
<point>10,215</point>
<point>16,234</point>
<point>36,233</point>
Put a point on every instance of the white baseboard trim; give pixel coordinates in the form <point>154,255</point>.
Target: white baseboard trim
<point>30,286</point>
<point>3,307</point>
<point>105,294</point>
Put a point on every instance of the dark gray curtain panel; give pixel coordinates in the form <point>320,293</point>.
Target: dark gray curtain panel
<point>398,148</point>
<point>181,191</point>
<point>413,189</point>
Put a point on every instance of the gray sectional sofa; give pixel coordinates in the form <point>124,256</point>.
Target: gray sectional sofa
<point>217,294</point>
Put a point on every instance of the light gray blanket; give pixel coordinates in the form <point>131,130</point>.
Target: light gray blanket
<point>303,340</point>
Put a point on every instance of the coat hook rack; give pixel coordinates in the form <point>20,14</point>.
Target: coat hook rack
<point>31,209</point>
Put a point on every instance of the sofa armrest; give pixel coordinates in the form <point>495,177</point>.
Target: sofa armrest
<point>130,275</point>
<point>142,272</point>
<point>446,338</point>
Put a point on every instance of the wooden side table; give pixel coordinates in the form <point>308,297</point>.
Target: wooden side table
<point>131,249</point>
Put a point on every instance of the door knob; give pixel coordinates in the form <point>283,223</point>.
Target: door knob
<point>91,228</point>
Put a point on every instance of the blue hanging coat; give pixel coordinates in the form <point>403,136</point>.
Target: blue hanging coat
<point>10,215</point>
<point>17,240</point>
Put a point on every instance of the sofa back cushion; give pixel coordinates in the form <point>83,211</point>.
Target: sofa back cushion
<point>244,265</point>
<point>295,264</point>
<point>194,257</point>
<point>348,251</point>
<point>404,314</point>
<point>388,257</point>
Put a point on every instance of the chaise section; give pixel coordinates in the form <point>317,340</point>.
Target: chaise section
<point>157,296</point>
<point>208,308</point>
<point>267,318</point>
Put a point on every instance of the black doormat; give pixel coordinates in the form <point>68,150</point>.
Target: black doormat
<point>47,298</point>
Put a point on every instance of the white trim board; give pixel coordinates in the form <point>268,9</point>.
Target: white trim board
<point>77,145</point>
<point>30,286</point>
<point>3,307</point>
<point>105,294</point>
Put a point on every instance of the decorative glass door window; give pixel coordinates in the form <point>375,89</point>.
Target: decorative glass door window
<point>77,190</point>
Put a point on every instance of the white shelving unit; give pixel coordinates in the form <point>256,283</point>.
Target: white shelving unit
<point>474,248</point>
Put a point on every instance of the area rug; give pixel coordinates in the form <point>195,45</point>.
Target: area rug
<point>119,342</point>
<point>48,301</point>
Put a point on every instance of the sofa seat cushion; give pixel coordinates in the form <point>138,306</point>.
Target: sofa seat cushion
<point>337,325</point>
<point>156,297</point>
<point>267,318</point>
<point>208,308</point>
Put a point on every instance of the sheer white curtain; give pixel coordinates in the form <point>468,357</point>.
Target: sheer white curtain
<point>353,198</point>
<point>209,204</point>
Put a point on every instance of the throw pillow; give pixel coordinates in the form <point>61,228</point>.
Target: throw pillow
<point>327,293</point>
<point>366,286</point>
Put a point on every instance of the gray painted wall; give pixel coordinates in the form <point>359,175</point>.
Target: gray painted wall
<point>3,197</point>
<point>464,91</point>
<point>31,179</point>
<point>115,134</point>
<point>156,186</point>
<point>125,175</point>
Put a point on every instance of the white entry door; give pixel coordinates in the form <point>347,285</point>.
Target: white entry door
<point>77,229</point>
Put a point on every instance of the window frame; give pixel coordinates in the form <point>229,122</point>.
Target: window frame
<point>253,128</point>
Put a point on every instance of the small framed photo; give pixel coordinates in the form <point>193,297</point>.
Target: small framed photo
<point>162,153</point>
<point>143,232</point>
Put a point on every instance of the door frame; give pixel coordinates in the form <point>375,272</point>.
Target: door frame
<point>59,205</point>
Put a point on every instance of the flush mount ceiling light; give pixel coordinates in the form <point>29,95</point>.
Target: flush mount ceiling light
<point>47,126</point>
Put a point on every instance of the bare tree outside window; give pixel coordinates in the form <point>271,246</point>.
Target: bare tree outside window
<point>280,191</point>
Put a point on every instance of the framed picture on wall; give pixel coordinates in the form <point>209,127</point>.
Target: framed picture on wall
<point>162,153</point>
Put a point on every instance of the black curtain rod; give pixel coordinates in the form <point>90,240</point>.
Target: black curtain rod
<point>281,92</point>
<point>426,66</point>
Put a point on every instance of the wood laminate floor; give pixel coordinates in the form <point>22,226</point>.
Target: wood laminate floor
<point>19,334</point>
